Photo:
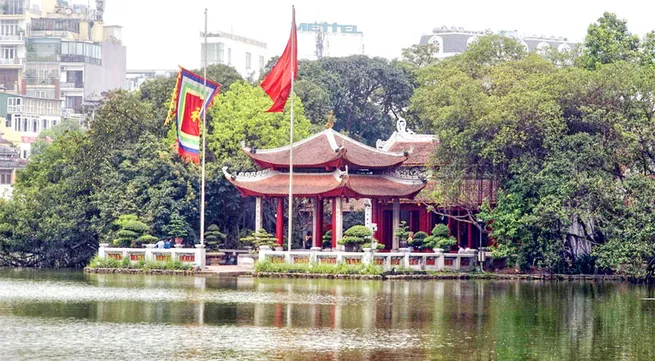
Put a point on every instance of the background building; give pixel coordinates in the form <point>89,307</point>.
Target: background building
<point>59,51</point>
<point>22,118</point>
<point>246,55</point>
<point>317,40</point>
<point>453,40</point>
<point>134,78</point>
<point>10,162</point>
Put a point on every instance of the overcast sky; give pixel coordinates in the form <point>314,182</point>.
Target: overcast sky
<point>161,34</point>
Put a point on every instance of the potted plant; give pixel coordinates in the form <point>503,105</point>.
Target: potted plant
<point>402,234</point>
<point>440,240</point>
<point>213,237</point>
<point>132,232</point>
<point>327,240</point>
<point>418,240</point>
<point>177,228</point>
<point>260,238</point>
<point>355,236</point>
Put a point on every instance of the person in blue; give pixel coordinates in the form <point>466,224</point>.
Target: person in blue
<point>167,244</point>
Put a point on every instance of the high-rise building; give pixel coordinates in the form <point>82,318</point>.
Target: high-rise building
<point>53,60</point>
<point>246,55</point>
<point>318,40</point>
<point>455,40</point>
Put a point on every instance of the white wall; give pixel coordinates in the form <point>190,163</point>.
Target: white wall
<point>238,52</point>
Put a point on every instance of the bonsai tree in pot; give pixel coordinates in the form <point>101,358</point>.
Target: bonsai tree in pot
<point>402,234</point>
<point>177,228</point>
<point>132,232</point>
<point>418,240</point>
<point>327,240</point>
<point>260,238</point>
<point>355,236</point>
<point>440,238</point>
<point>214,239</point>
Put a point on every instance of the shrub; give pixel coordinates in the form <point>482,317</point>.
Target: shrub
<point>440,238</point>
<point>145,239</point>
<point>213,237</point>
<point>356,235</point>
<point>327,240</point>
<point>418,239</point>
<point>339,268</point>
<point>402,232</point>
<point>260,238</point>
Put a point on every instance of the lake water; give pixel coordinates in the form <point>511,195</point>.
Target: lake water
<point>53,315</point>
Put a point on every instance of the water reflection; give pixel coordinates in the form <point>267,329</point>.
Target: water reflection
<point>155,317</point>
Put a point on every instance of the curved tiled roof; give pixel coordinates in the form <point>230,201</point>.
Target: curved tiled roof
<point>338,183</point>
<point>327,149</point>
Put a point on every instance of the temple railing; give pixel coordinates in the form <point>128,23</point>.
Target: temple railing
<point>192,256</point>
<point>437,261</point>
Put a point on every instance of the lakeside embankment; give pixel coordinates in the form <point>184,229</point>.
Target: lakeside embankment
<point>383,276</point>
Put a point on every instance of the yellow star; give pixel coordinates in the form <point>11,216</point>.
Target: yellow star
<point>195,115</point>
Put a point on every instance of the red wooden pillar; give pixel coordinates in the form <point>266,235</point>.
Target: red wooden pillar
<point>374,217</point>
<point>450,226</point>
<point>279,222</point>
<point>423,220</point>
<point>334,223</point>
<point>318,230</point>
<point>470,240</point>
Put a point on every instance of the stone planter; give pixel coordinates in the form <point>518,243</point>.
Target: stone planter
<point>279,249</point>
<point>437,250</point>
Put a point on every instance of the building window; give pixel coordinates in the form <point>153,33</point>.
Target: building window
<point>13,105</point>
<point>73,102</point>
<point>8,51</point>
<point>42,94</point>
<point>5,177</point>
<point>35,126</point>
<point>16,120</point>
<point>44,124</point>
<point>221,57</point>
<point>8,27</point>
<point>261,62</point>
<point>8,121</point>
<point>229,56</point>
<point>24,128</point>
<point>54,122</point>
<point>24,154</point>
<point>248,61</point>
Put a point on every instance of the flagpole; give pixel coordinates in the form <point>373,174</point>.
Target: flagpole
<point>204,131</point>
<point>293,61</point>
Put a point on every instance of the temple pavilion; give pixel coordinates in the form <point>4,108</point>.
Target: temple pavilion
<point>330,168</point>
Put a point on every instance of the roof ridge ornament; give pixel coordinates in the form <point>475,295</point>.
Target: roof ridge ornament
<point>330,120</point>
<point>401,126</point>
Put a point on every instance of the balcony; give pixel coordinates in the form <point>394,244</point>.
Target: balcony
<point>13,62</point>
<point>71,113</point>
<point>75,85</point>
<point>74,58</point>
<point>31,57</point>
<point>12,38</point>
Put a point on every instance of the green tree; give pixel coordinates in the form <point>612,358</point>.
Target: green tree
<point>239,116</point>
<point>366,94</point>
<point>49,135</point>
<point>420,55</point>
<point>608,41</point>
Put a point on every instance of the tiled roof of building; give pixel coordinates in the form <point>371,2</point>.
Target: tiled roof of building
<point>327,149</point>
<point>338,183</point>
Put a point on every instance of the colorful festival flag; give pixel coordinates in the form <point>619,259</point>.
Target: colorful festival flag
<point>190,100</point>
<point>277,83</point>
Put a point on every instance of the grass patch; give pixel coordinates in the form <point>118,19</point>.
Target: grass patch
<point>267,266</point>
<point>125,263</point>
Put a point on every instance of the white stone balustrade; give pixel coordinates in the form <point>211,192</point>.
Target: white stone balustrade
<point>193,256</point>
<point>438,261</point>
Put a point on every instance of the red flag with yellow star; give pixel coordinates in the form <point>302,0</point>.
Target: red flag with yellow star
<point>191,98</point>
